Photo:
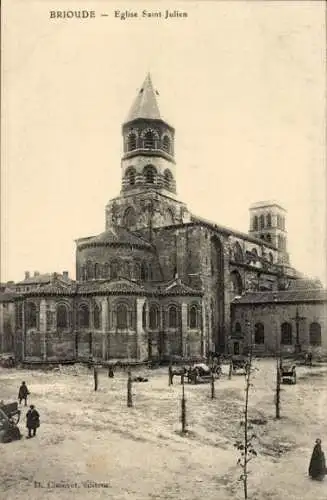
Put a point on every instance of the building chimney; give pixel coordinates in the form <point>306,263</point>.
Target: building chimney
<point>65,275</point>
<point>27,275</point>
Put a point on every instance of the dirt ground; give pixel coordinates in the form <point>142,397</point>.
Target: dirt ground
<point>90,445</point>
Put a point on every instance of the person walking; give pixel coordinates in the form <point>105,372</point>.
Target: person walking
<point>32,421</point>
<point>317,467</point>
<point>23,393</point>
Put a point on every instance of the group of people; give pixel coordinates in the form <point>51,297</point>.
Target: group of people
<point>32,415</point>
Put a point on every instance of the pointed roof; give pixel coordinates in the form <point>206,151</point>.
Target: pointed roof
<point>145,104</point>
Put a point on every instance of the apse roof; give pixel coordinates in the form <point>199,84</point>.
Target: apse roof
<point>116,235</point>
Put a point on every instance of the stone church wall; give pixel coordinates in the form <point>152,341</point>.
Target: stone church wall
<point>272,316</point>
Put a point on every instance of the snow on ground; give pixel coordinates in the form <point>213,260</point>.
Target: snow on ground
<point>90,445</point>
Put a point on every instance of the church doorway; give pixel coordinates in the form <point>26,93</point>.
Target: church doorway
<point>236,349</point>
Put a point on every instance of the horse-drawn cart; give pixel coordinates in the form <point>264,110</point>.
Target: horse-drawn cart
<point>9,418</point>
<point>239,364</point>
<point>288,374</point>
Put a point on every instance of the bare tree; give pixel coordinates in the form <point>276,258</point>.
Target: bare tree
<point>129,389</point>
<point>96,378</point>
<point>212,384</point>
<point>245,446</point>
<point>183,406</point>
<point>278,384</point>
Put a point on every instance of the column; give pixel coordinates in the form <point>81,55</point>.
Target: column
<point>43,328</point>
<point>184,329</point>
<point>105,326</point>
<point>141,336</point>
<point>204,325</point>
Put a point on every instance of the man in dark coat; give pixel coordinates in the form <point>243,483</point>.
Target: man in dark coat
<point>32,421</point>
<point>23,393</point>
<point>317,467</point>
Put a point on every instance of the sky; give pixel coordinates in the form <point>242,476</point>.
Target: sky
<point>243,83</point>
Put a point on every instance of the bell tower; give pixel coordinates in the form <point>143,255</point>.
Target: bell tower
<point>148,146</point>
<point>267,222</point>
<point>148,196</point>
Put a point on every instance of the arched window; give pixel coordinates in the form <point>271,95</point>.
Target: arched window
<point>125,269</point>
<point>262,221</point>
<point>84,316</point>
<point>129,217</point>
<point>122,316</point>
<point>137,270</point>
<point>286,334</point>
<point>271,258</point>
<point>97,316</point>
<point>82,275</point>
<point>144,316</point>
<point>130,176</point>
<point>62,316</point>
<point>193,317</point>
<point>168,178</point>
<point>172,317</point>
<point>169,216</point>
<point>106,270</point>
<point>278,221</point>
<point>236,283</point>
<point>259,333</point>
<point>238,328</point>
<point>269,219</point>
<point>89,270</point>
<point>237,252</point>
<point>144,271</point>
<point>315,334</point>
<point>280,242</point>
<point>31,315</point>
<point>97,271</point>
<point>268,237</point>
<point>149,173</point>
<point>154,317</point>
<point>149,141</point>
<point>114,269</point>
<point>166,143</point>
<point>131,141</point>
<point>255,223</point>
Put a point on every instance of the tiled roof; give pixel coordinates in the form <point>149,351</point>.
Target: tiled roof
<point>55,287</point>
<point>116,235</point>
<point>117,286</point>
<point>286,296</point>
<point>305,284</point>
<point>145,104</point>
<point>173,287</point>
<point>228,231</point>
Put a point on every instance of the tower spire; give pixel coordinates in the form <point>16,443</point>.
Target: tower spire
<point>145,104</point>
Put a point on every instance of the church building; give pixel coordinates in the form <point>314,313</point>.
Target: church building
<point>161,281</point>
